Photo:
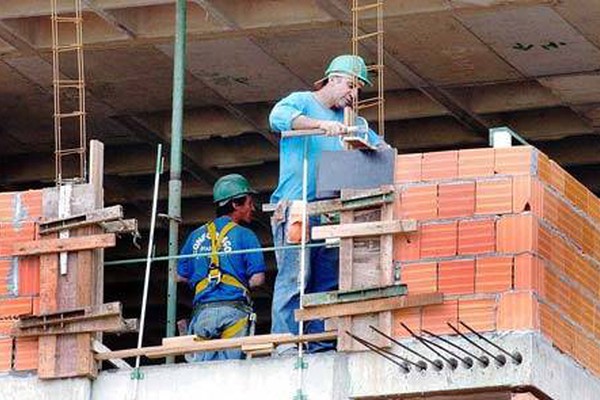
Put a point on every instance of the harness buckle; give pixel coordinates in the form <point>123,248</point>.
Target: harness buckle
<point>214,275</point>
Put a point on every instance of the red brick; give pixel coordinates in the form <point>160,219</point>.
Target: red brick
<point>14,307</point>
<point>420,277</point>
<point>411,317</point>
<point>12,233</point>
<point>587,351</point>
<point>457,276</point>
<point>576,193</point>
<point>563,335</point>
<point>475,163</point>
<point>407,247</point>
<point>479,314</point>
<point>493,196</point>
<point>435,317</point>
<point>555,291</point>
<point>593,207</point>
<point>582,311</point>
<point>528,269</point>
<point>6,206</point>
<point>439,239</point>
<point>528,195</point>
<point>550,209</point>
<point>570,223</point>
<point>418,202</point>
<point>513,160</point>
<point>6,326</point>
<point>557,177</point>
<point>26,354</point>
<point>5,354</point>
<point>476,236</point>
<point>6,280</point>
<point>29,276</point>
<point>518,311</point>
<point>408,168</point>
<point>32,204</point>
<point>493,274</point>
<point>456,200</point>
<point>440,165</point>
<point>516,233</point>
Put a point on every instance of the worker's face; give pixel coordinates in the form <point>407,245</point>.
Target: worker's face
<point>245,210</point>
<point>344,90</point>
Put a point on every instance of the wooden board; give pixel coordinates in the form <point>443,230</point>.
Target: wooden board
<point>364,229</point>
<point>37,247</point>
<point>365,262</point>
<point>190,345</point>
<point>368,306</point>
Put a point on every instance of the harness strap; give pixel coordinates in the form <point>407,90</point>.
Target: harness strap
<point>235,328</point>
<point>214,270</point>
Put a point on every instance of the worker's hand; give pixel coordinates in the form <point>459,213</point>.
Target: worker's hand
<point>333,128</point>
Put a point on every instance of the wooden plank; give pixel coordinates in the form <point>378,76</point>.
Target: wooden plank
<point>93,217</point>
<point>346,281</point>
<point>188,340</point>
<point>368,306</point>
<point>37,247</point>
<point>346,296</point>
<point>113,323</point>
<point>71,315</point>
<point>364,229</point>
<point>99,348</point>
<point>121,226</point>
<point>48,304</point>
<point>215,345</point>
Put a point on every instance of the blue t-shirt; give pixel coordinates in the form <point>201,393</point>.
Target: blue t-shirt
<point>241,266</point>
<point>291,151</point>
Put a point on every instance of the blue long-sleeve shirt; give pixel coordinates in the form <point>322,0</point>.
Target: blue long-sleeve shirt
<point>241,266</point>
<point>291,150</point>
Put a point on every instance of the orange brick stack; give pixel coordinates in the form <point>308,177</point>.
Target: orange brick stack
<point>19,277</point>
<point>509,237</point>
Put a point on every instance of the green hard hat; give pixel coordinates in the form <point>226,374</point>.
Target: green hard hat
<point>229,187</point>
<point>349,65</point>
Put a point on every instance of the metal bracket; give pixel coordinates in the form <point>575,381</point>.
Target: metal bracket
<point>137,374</point>
<point>301,363</point>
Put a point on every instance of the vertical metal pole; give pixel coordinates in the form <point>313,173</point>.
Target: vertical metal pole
<point>175,164</point>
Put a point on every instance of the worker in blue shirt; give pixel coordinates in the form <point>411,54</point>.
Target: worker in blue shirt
<point>222,282</point>
<point>319,109</point>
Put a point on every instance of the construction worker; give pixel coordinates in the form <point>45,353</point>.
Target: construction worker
<point>322,109</point>
<point>222,282</point>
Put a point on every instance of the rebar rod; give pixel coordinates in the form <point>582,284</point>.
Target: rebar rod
<point>498,360</point>
<point>435,363</point>
<point>516,359</point>
<point>386,353</point>
<point>482,360</point>
<point>425,342</point>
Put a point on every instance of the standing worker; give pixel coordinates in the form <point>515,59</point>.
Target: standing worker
<point>319,109</point>
<point>222,282</point>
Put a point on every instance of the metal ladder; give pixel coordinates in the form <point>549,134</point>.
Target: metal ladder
<point>70,124</point>
<point>363,10</point>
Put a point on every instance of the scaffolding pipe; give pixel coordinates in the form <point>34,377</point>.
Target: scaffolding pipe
<point>175,164</point>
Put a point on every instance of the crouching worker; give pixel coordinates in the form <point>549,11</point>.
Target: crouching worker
<point>221,282</point>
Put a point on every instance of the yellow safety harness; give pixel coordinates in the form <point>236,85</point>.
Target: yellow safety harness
<point>214,270</point>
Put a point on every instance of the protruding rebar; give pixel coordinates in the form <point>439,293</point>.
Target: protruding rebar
<point>436,363</point>
<point>517,358</point>
<point>465,360</point>
<point>483,360</point>
<point>451,361</point>
<point>499,360</point>
<point>384,353</point>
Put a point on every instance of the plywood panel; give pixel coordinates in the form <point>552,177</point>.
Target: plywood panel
<point>439,48</point>
<point>536,40</point>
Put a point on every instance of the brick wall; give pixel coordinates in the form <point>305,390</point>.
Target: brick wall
<point>509,237</point>
<point>19,277</point>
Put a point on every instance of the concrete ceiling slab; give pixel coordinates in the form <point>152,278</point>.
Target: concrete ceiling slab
<point>238,70</point>
<point>584,15</point>
<point>308,52</point>
<point>577,89</point>
<point>536,40</point>
<point>443,51</point>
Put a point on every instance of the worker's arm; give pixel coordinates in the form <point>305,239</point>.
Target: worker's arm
<point>185,267</point>
<point>256,280</point>
<point>330,127</point>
